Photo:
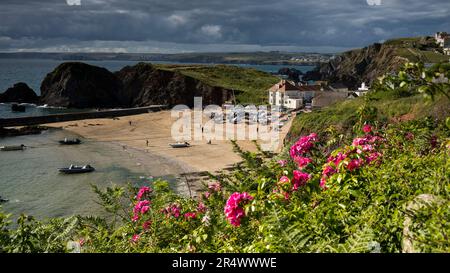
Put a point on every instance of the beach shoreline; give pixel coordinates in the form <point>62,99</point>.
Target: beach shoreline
<point>155,127</point>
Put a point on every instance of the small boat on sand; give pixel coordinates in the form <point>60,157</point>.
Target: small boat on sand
<point>72,141</point>
<point>12,147</point>
<point>180,145</point>
<point>77,169</point>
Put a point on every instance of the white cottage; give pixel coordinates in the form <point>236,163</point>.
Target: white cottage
<point>443,40</point>
<point>286,95</point>
<point>293,96</point>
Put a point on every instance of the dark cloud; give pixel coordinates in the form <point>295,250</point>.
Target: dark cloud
<point>213,25</point>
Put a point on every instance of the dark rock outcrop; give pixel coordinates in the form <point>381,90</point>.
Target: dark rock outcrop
<point>143,84</point>
<point>19,93</point>
<point>80,85</point>
<point>21,131</point>
<point>291,73</point>
<point>356,66</point>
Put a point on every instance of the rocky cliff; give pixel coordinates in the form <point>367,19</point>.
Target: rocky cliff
<point>362,65</point>
<point>80,85</point>
<point>367,64</point>
<point>20,93</point>
<point>143,84</point>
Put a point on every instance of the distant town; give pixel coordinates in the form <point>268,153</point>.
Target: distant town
<point>261,58</point>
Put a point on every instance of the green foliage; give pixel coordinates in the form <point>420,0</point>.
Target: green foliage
<point>361,209</point>
<point>394,98</point>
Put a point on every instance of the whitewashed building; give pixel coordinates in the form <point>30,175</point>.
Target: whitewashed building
<point>285,94</point>
<point>440,38</point>
<point>362,90</point>
<point>443,40</point>
<point>291,96</point>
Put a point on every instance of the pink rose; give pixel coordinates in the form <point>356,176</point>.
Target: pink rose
<point>367,128</point>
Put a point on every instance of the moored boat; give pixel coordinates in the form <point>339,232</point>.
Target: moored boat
<point>3,200</point>
<point>67,141</point>
<point>12,147</point>
<point>77,169</point>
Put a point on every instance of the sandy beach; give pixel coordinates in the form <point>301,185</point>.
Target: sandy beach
<point>133,132</point>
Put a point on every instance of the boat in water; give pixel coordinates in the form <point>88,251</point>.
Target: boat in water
<point>72,141</point>
<point>12,147</point>
<point>77,169</point>
<point>3,200</point>
<point>180,145</point>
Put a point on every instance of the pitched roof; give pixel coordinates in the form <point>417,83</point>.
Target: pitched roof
<point>310,88</point>
<point>327,98</point>
<point>283,86</point>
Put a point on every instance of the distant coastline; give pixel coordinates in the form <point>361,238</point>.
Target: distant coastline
<point>252,58</point>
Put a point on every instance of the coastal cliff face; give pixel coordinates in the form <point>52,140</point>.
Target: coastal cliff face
<point>367,64</point>
<point>80,85</point>
<point>20,93</point>
<point>361,65</point>
<point>143,84</point>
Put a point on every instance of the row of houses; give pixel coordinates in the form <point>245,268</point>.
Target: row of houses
<point>289,95</point>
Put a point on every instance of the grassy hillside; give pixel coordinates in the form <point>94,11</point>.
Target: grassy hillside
<point>393,99</point>
<point>250,84</point>
<point>342,116</point>
<point>418,49</point>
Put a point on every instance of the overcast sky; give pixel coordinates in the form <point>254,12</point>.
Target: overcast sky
<point>168,26</point>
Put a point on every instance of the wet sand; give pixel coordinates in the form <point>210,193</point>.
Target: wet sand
<point>133,132</point>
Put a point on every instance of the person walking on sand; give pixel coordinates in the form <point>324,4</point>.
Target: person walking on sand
<point>147,142</point>
<point>129,122</point>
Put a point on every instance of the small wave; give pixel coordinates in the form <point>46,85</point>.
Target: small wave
<point>28,104</point>
<point>46,106</point>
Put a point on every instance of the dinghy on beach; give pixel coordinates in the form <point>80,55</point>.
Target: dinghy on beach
<point>77,169</point>
<point>12,148</point>
<point>67,141</point>
<point>180,145</point>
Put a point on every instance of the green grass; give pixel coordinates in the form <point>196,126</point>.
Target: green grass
<point>250,85</point>
<point>414,49</point>
<point>415,55</point>
<point>342,116</point>
<point>403,41</point>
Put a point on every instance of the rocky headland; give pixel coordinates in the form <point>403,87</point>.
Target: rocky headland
<point>79,85</point>
<point>19,93</point>
<point>354,67</point>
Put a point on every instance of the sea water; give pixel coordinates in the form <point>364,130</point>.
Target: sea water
<point>33,185</point>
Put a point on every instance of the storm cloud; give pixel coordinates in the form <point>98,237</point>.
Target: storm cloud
<point>168,26</point>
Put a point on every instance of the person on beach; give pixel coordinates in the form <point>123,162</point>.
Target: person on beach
<point>147,142</point>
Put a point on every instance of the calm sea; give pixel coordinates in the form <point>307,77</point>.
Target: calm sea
<point>31,181</point>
